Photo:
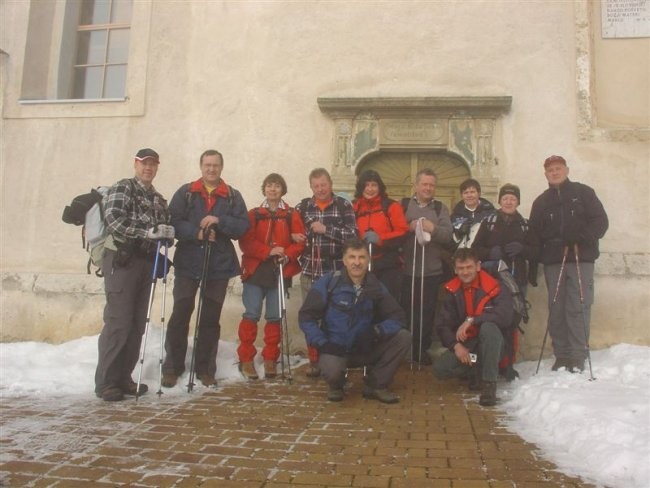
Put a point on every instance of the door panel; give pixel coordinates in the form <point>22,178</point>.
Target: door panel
<point>398,172</point>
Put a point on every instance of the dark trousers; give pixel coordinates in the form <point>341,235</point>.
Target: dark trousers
<point>488,344</point>
<point>430,286</point>
<point>382,362</point>
<point>391,278</point>
<point>209,329</point>
<point>127,290</point>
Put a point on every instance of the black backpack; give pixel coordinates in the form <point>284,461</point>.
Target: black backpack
<point>520,307</point>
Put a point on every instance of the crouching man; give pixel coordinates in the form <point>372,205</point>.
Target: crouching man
<point>352,319</point>
<point>474,312</point>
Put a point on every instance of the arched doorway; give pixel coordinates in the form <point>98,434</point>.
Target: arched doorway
<point>398,170</point>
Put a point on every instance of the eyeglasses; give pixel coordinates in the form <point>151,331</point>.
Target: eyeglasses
<point>149,162</point>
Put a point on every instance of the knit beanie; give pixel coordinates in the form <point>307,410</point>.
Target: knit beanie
<point>509,189</point>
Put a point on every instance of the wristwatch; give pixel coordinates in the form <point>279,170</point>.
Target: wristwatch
<point>469,320</point>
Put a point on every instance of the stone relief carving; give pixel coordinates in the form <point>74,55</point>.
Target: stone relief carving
<point>462,139</point>
<point>484,147</point>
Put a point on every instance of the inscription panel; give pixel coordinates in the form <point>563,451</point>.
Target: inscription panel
<point>420,133</point>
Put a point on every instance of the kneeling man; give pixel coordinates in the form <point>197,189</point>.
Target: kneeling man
<point>474,313</point>
<point>352,319</point>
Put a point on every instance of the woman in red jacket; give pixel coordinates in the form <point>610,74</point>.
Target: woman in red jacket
<point>382,224</point>
<point>266,243</point>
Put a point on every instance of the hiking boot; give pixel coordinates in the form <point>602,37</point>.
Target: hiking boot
<point>576,366</point>
<point>313,371</point>
<point>335,394</point>
<point>111,393</point>
<point>169,380</point>
<point>474,383</point>
<point>270,369</point>
<point>248,370</point>
<point>382,394</point>
<point>131,387</point>
<point>561,363</point>
<point>488,396</point>
<point>207,380</point>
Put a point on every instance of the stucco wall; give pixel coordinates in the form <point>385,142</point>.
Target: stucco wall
<point>244,77</point>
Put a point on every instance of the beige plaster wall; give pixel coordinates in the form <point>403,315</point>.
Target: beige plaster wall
<point>244,77</point>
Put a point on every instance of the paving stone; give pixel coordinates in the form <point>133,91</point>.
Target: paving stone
<point>258,435</point>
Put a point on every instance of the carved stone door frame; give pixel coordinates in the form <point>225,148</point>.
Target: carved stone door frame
<point>461,126</point>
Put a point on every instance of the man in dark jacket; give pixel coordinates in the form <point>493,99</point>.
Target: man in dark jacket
<point>352,320</point>
<point>136,216</point>
<point>475,311</point>
<point>568,219</point>
<point>207,212</point>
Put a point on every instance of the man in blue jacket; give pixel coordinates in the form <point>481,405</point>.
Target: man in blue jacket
<point>206,205</point>
<point>352,319</point>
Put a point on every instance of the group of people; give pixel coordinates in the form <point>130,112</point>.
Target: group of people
<point>370,274</point>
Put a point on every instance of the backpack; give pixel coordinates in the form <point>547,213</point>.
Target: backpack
<point>87,210</point>
<point>520,308</point>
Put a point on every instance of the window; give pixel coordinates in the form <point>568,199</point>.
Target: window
<point>102,49</point>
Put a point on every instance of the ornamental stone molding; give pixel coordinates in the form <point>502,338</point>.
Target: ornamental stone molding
<point>460,126</point>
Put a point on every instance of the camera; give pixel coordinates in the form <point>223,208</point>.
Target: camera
<point>472,358</point>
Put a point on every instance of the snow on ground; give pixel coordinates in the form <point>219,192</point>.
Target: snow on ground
<point>598,430</point>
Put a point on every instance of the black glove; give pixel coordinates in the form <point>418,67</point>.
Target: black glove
<point>495,253</point>
<point>332,349</point>
<point>371,237</point>
<point>464,228</point>
<point>513,248</point>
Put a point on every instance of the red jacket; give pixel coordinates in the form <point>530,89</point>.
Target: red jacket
<point>391,227</point>
<point>266,232</point>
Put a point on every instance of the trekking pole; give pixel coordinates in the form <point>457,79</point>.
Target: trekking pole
<point>207,248</point>
<point>162,321</point>
<point>421,308</point>
<point>415,250</point>
<point>557,290</point>
<point>370,251</point>
<point>284,331</point>
<point>143,346</point>
<point>582,309</point>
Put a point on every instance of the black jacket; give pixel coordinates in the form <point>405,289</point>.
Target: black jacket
<point>567,215</point>
<point>497,310</point>
<point>501,230</point>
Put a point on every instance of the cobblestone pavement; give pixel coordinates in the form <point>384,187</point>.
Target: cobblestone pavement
<point>270,434</point>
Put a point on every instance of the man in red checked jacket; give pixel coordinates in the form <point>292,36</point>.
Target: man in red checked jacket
<point>207,204</point>
<point>474,313</point>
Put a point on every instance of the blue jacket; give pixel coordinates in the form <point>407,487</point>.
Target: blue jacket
<point>332,312</point>
<point>187,210</point>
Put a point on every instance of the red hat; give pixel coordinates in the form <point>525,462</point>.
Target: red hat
<point>554,159</point>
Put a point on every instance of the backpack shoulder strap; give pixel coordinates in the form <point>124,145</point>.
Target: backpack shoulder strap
<point>405,203</point>
<point>336,277</point>
<point>437,206</point>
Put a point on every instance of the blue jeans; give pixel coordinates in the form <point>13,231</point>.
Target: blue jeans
<point>253,296</point>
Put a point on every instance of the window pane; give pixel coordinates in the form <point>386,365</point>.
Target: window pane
<point>92,47</point>
<point>95,12</point>
<point>114,86</point>
<point>121,12</point>
<point>88,82</point>
<point>118,46</point>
